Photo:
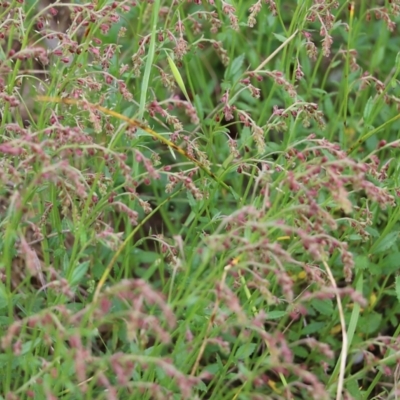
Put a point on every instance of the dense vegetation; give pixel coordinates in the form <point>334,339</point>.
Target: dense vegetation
<point>199,199</point>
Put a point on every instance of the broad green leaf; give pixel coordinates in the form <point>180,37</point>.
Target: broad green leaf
<point>379,55</point>
<point>324,307</point>
<point>79,273</point>
<point>391,263</point>
<point>387,242</point>
<point>276,314</point>
<point>226,85</point>
<point>59,252</point>
<point>212,368</point>
<point>5,358</point>
<point>354,237</point>
<point>354,389</point>
<point>318,91</point>
<point>313,327</point>
<point>281,38</point>
<point>234,67</point>
<point>374,269</point>
<point>368,109</point>
<point>201,386</point>
<point>361,262</point>
<point>145,256</point>
<point>373,232</point>
<point>301,352</point>
<point>30,345</point>
<point>219,361</point>
<point>83,236</point>
<point>160,373</point>
<point>245,351</point>
<point>370,323</point>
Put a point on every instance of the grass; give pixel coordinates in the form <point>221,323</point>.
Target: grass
<point>199,200</point>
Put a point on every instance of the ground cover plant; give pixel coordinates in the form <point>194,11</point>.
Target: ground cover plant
<point>199,199</point>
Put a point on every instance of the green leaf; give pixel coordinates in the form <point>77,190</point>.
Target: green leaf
<point>361,262</point>
<point>58,252</point>
<point>160,373</point>
<point>245,351</point>
<point>328,106</point>
<point>324,307</point>
<point>391,263</point>
<point>318,91</point>
<point>129,111</point>
<point>373,232</point>
<point>313,327</point>
<point>276,314</point>
<point>368,109</point>
<point>226,85</point>
<point>65,262</point>
<point>235,195</point>
<point>5,359</point>
<point>354,237</point>
<point>30,345</point>
<point>212,368</point>
<point>370,323</point>
<point>219,362</point>
<point>281,38</point>
<point>79,273</point>
<point>354,389</point>
<point>374,269</point>
<point>199,106</point>
<point>83,236</point>
<point>387,242</point>
<point>3,296</point>
<point>393,320</point>
<point>192,202</point>
<point>300,352</point>
<point>398,287</point>
<point>379,55</point>
<point>178,77</point>
<point>398,60</point>
<point>201,386</point>
<point>144,256</point>
<point>234,67</point>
